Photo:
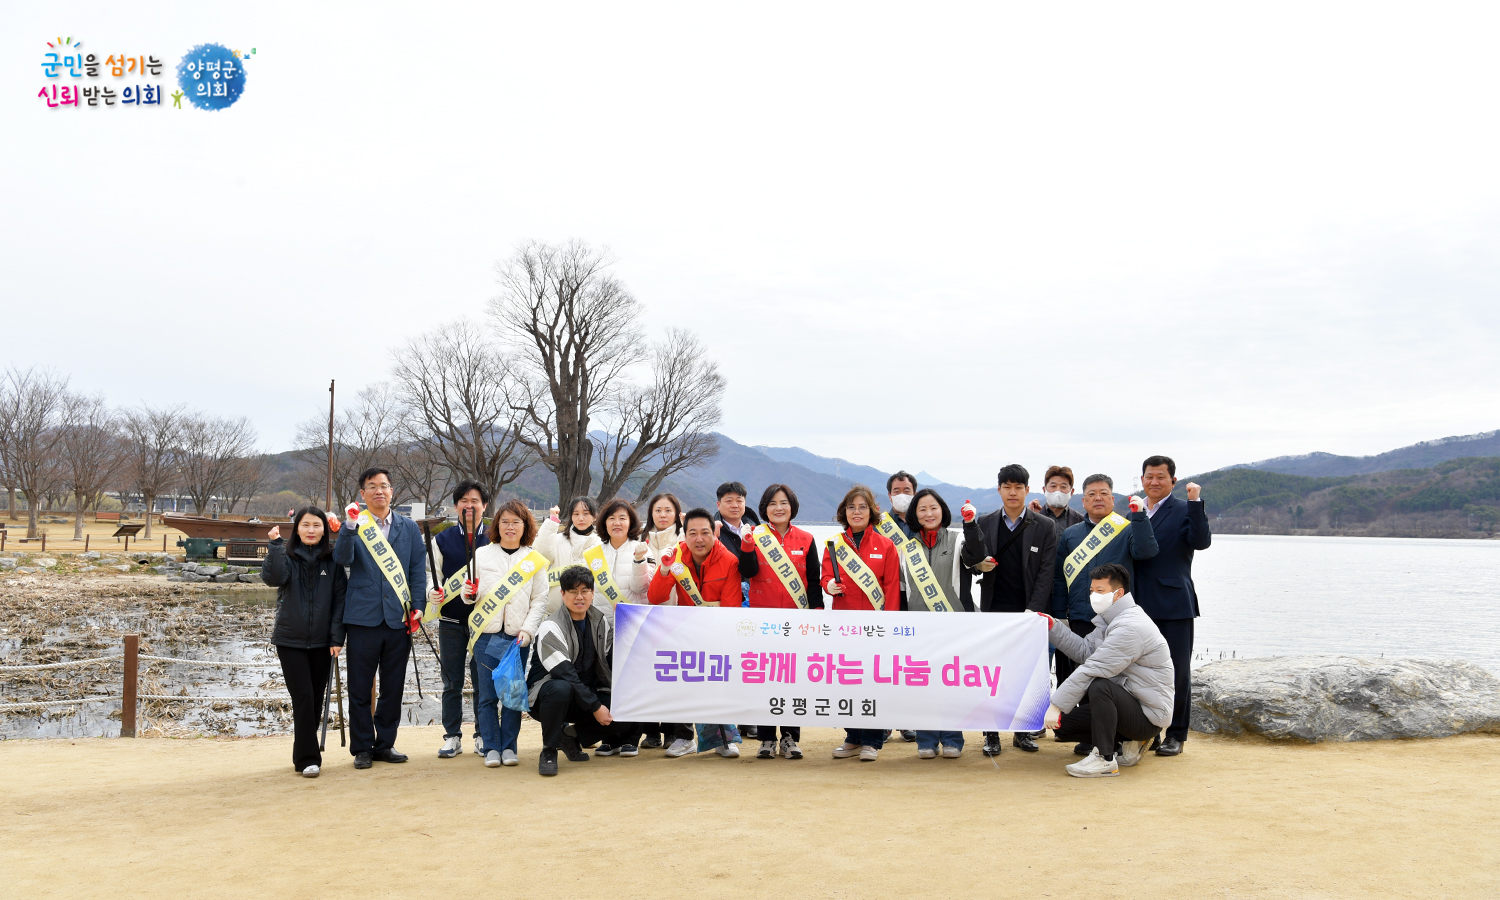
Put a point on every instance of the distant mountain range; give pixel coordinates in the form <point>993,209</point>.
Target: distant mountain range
<point>1423,455</point>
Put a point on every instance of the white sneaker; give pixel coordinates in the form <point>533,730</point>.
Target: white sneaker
<point>789,748</point>
<point>926,753</point>
<point>478,745</point>
<point>492,759</point>
<point>767,750</point>
<point>729,751</point>
<point>508,758</point>
<point>845,750</point>
<point>310,772</point>
<point>1094,766</point>
<point>451,748</point>
<point>868,753</point>
<point>1130,753</point>
<point>680,747</point>
<point>952,752</point>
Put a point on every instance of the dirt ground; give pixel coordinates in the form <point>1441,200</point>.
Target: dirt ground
<point>1229,818</point>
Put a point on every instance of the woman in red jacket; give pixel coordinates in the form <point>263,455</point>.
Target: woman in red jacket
<point>792,547</point>
<point>856,511</point>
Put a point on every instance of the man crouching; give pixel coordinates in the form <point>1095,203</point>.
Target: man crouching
<point>569,673</point>
<point>1121,694</point>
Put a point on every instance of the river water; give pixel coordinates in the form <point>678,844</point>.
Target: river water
<point>1271,595</point>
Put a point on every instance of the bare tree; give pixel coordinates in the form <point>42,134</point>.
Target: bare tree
<point>32,401</point>
<point>663,428</point>
<point>92,452</point>
<point>246,479</point>
<point>153,439</point>
<point>210,455</point>
<point>453,383</point>
<point>421,472</point>
<point>363,436</point>
<point>574,329</point>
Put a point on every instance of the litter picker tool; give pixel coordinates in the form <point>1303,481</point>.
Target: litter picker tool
<point>327,695</point>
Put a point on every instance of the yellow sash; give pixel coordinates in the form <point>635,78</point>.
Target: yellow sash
<point>594,557</point>
<point>489,605</point>
<point>384,556</point>
<point>452,588</point>
<point>1109,528</point>
<point>855,568</point>
<point>935,595</point>
<point>776,556</point>
<point>682,576</point>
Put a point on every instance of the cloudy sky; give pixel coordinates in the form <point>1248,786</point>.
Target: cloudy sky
<point>1001,234</point>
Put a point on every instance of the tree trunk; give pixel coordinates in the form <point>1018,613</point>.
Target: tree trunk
<point>31,511</point>
<point>14,515</point>
<point>78,516</point>
<point>150,504</point>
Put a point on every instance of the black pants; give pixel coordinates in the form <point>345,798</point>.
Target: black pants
<point>1179,635</point>
<point>372,649</point>
<point>556,708</point>
<point>453,645</point>
<point>768,732</point>
<point>1108,716</point>
<point>306,675</point>
<point>1065,666</point>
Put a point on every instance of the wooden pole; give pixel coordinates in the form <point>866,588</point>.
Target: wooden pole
<point>328,499</point>
<point>86,543</point>
<point>44,542</point>
<point>127,704</point>
<point>127,543</point>
<point>164,543</point>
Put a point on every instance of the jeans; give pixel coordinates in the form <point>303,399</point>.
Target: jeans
<point>372,650</point>
<point>453,645</point>
<point>498,726</point>
<point>928,740</point>
<point>865,737</point>
<point>306,673</point>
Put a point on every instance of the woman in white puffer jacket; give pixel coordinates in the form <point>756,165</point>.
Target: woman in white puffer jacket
<point>564,544</point>
<point>628,558</point>
<point>665,512</point>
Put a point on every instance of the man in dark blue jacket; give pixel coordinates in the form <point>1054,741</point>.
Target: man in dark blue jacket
<point>451,551</point>
<point>1164,583</point>
<point>378,620</point>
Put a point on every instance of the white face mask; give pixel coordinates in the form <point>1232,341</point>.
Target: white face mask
<point>1101,602</point>
<point>1057,499</point>
<point>900,502</point>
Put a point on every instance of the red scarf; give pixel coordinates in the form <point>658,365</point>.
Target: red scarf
<point>930,538</point>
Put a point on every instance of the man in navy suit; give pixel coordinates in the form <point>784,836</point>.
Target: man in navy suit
<point>377,627</point>
<point>1164,583</point>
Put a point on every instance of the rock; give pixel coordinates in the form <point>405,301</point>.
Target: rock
<point>252,579</point>
<point>123,568</point>
<point>92,554</point>
<point>45,562</point>
<point>158,555</point>
<point>226,577</point>
<point>25,569</point>
<point>192,576</point>
<point>7,563</point>
<point>88,568</point>
<point>164,570</point>
<point>236,570</point>
<point>108,561</point>
<point>1344,698</point>
<point>208,570</point>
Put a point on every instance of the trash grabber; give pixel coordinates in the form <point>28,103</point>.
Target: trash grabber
<point>339,682</point>
<point>327,694</point>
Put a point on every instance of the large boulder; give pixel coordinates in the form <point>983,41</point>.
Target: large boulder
<point>1344,698</point>
<point>45,562</point>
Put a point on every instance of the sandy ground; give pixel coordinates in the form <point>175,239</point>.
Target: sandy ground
<point>1229,818</point>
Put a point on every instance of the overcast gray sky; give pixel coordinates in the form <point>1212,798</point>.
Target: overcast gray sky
<point>1002,233</point>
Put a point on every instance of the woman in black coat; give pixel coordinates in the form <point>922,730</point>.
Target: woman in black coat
<point>309,630</point>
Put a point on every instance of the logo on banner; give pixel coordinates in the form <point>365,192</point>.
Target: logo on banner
<point>746,628</point>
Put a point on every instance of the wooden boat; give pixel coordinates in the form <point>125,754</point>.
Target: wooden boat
<point>224,529</point>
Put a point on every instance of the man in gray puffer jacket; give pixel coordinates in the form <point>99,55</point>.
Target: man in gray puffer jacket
<point>1122,690</point>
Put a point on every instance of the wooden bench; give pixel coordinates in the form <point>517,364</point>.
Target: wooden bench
<point>106,516</point>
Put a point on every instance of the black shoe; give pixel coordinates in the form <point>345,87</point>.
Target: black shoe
<point>749,732</point>
<point>885,737</point>
<point>1037,735</point>
<point>652,742</point>
<point>1169,747</point>
<point>572,750</point>
<point>992,743</point>
<point>606,750</point>
<point>546,764</point>
<point>908,735</point>
<point>390,756</point>
<point>363,760</point>
<point>1083,749</point>
<point>1023,740</point>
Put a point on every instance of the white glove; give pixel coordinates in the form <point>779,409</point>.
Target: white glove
<point>523,638</point>
<point>1137,504</point>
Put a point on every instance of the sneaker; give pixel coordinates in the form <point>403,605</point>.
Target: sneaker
<point>845,750</point>
<point>952,752</point>
<point>908,735</point>
<point>1094,766</point>
<point>992,743</point>
<point>767,750</point>
<point>789,748</point>
<point>310,772</point>
<point>571,750</point>
<point>606,750</point>
<point>451,748</point>
<point>1130,753</point>
<point>926,753</point>
<point>546,763</point>
<point>652,742</point>
<point>728,751</point>
<point>680,747</point>
<point>629,750</point>
<point>1083,749</point>
<point>492,759</point>
<point>868,753</point>
<point>508,758</point>
<point>749,731</point>
<point>478,745</point>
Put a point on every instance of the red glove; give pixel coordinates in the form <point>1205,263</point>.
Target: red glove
<point>1137,504</point>
<point>471,588</point>
<point>351,512</point>
<point>413,622</point>
<point>968,511</point>
<point>1050,621</point>
<point>333,524</point>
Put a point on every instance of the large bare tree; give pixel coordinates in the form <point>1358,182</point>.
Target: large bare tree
<point>453,383</point>
<point>32,401</point>
<point>574,329</point>
<point>92,452</point>
<point>212,451</point>
<point>664,427</point>
<point>153,439</point>
<point>364,434</point>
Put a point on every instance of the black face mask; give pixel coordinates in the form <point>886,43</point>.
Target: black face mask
<point>584,533</point>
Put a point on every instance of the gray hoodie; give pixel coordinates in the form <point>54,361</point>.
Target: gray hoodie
<point>1124,647</point>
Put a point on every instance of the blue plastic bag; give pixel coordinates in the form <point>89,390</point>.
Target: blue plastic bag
<point>510,680</point>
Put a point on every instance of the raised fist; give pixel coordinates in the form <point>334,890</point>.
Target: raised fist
<point>333,523</point>
<point>274,534</point>
<point>553,514</point>
<point>1137,504</point>
<point>968,511</point>
<point>351,512</point>
<point>1192,490</point>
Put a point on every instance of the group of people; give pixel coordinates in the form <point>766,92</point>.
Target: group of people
<point>1117,592</point>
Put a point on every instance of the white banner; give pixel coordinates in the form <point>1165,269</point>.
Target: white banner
<point>819,668</point>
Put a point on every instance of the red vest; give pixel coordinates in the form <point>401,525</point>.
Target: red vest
<point>766,590</point>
